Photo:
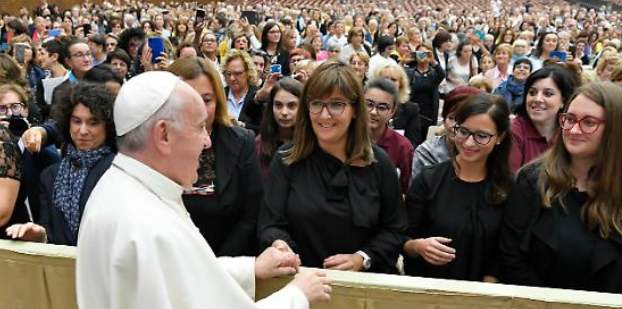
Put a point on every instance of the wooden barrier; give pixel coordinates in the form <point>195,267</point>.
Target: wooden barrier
<point>41,276</point>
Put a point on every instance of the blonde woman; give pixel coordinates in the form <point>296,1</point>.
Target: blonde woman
<point>241,76</point>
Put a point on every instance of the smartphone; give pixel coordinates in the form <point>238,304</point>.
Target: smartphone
<point>420,55</point>
<point>18,125</point>
<point>480,34</point>
<point>20,51</point>
<point>87,29</point>
<point>199,17</point>
<point>156,44</point>
<point>4,47</point>
<point>251,16</point>
<point>561,55</point>
<point>54,32</point>
<point>275,68</point>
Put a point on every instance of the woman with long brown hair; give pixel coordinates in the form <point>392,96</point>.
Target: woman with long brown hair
<point>334,198</point>
<point>563,226</point>
<point>223,202</point>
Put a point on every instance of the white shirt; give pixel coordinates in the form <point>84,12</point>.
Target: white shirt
<point>376,62</point>
<point>138,248</point>
<point>234,107</point>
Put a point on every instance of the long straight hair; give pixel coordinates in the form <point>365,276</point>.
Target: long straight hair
<point>603,209</point>
<point>329,77</point>
<point>497,163</point>
<point>269,128</point>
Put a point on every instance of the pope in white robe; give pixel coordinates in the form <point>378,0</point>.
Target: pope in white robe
<point>137,246</point>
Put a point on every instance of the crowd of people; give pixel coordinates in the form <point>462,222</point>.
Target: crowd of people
<point>479,141</point>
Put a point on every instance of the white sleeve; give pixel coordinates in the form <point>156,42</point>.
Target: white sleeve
<point>255,42</point>
<point>289,297</point>
<point>242,269</point>
<point>169,271</point>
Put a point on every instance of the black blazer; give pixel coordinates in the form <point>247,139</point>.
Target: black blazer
<point>228,219</point>
<point>52,218</point>
<point>252,111</point>
<point>530,243</point>
<point>407,119</point>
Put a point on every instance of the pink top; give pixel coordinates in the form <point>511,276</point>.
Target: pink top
<point>496,76</point>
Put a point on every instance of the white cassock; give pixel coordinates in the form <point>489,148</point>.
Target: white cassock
<point>138,248</point>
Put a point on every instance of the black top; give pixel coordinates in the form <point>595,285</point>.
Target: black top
<point>424,91</point>
<point>52,218</point>
<point>440,204</point>
<point>575,249</point>
<point>551,246</point>
<point>322,207</point>
<point>10,167</point>
<point>227,219</point>
<point>407,119</point>
<point>34,164</point>
<point>252,111</point>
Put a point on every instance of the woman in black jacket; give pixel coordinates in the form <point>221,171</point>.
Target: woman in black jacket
<point>86,125</point>
<point>224,201</point>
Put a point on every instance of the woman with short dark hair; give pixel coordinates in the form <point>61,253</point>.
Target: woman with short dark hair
<point>86,125</point>
<point>547,91</point>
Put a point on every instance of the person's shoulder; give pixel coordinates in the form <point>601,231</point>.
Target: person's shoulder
<point>401,141</point>
<point>437,170</point>
<point>238,133</point>
<point>530,172</point>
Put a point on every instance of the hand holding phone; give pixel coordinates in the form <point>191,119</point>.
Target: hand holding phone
<point>560,55</point>
<point>157,48</point>
<point>275,68</point>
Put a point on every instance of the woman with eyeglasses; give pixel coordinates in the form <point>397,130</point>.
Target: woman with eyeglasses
<point>272,44</point>
<point>334,197</point>
<point>85,122</point>
<point>406,118</point>
<point>225,199</point>
<point>455,208</point>
<point>546,92</point>
<point>563,224</point>
<point>382,99</point>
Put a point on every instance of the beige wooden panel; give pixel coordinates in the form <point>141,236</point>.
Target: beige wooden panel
<point>40,276</point>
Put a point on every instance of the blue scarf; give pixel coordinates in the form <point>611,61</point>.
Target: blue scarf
<point>70,179</point>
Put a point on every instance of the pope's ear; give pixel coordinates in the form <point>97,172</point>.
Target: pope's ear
<point>161,136</point>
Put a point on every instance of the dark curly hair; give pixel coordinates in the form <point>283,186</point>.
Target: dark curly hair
<point>127,35</point>
<point>97,98</point>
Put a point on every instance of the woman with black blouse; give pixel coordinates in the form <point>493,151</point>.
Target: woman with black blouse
<point>563,225</point>
<point>455,208</point>
<point>425,79</point>
<point>10,175</point>
<point>334,198</point>
<point>224,201</point>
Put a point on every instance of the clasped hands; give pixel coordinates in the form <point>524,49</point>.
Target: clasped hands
<point>280,260</point>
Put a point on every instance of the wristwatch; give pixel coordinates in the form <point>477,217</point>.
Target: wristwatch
<point>366,259</point>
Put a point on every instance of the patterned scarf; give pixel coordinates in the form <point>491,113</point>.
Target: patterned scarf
<point>70,179</point>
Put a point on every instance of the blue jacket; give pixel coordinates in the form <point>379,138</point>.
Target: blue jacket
<point>512,91</point>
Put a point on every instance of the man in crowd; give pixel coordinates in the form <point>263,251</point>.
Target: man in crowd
<point>138,247</point>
